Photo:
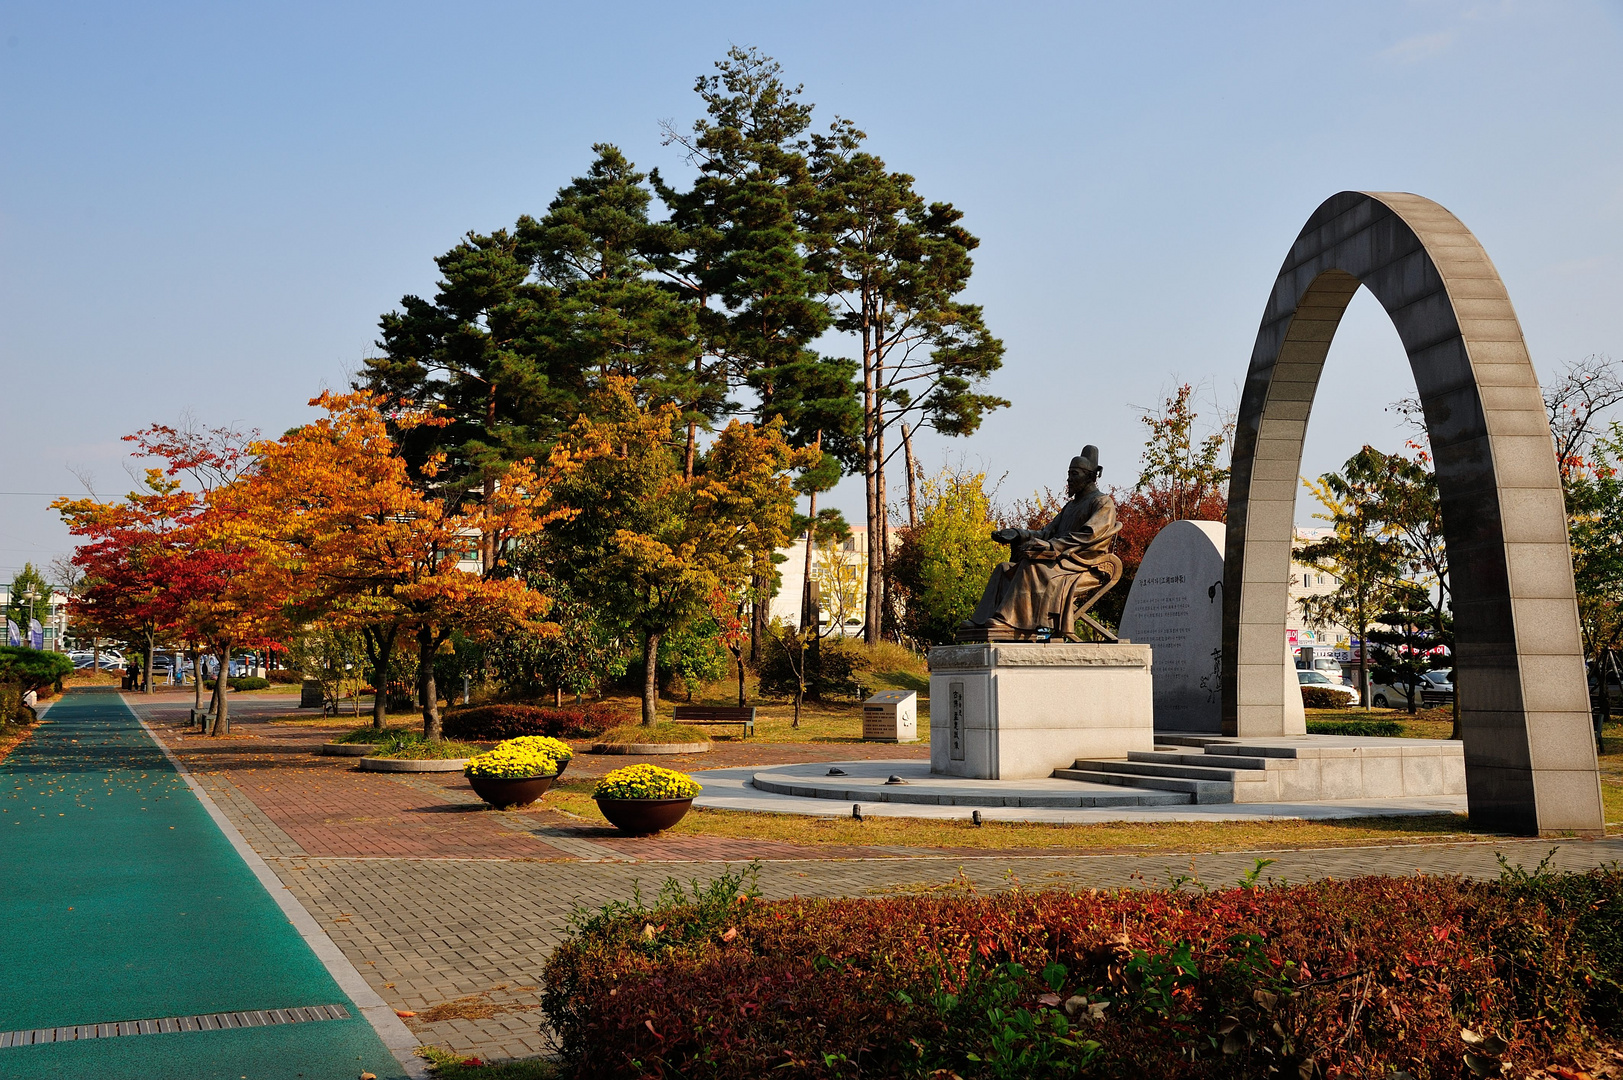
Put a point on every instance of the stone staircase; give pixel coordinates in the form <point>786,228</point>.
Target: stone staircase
<point>1305,768</point>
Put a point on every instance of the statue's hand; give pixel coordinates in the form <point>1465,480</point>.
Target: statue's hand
<point>1006,536</point>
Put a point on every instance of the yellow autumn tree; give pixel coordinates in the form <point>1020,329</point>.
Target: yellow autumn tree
<point>652,546</point>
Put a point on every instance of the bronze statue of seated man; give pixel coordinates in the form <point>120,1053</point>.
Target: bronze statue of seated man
<point>1056,573</point>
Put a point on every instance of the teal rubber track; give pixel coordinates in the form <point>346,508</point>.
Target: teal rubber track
<point>120,899</point>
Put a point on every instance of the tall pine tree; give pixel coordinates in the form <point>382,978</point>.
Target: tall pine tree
<point>892,266</point>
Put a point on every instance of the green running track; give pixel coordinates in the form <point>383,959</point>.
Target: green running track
<point>121,900</point>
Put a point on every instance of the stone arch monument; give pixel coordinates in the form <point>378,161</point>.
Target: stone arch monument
<point>1519,666</point>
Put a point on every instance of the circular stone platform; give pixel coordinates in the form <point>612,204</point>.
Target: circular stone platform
<point>865,782</point>
<point>384,764</point>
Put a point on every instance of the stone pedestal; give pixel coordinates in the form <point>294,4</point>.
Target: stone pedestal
<point>1015,711</point>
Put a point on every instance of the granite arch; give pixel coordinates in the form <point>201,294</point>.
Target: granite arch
<point>1524,703</point>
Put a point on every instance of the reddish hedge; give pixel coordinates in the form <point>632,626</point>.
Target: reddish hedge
<point>1334,979</point>
<point>487,723</point>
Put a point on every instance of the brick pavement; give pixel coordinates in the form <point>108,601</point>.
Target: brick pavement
<point>450,911</point>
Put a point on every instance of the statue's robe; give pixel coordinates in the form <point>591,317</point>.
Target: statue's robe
<point>1023,593</point>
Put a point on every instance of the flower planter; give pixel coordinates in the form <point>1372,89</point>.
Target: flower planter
<point>640,817</point>
<point>504,791</point>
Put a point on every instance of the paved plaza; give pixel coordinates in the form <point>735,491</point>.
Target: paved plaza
<point>448,910</point>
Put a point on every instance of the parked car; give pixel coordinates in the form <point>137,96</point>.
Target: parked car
<point>1318,679</point>
<point>1437,687</point>
<point>1389,696</point>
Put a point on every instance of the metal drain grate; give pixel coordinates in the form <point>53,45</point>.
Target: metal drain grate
<point>166,1025</point>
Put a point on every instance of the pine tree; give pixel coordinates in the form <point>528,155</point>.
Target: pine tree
<point>893,266</point>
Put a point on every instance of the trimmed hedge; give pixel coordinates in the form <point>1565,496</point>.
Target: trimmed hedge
<point>1319,697</point>
<point>240,682</point>
<point>492,723</point>
<point>1333,979</point>
<point>1381,729</point>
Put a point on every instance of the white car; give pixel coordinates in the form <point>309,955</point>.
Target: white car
<point>1315,678</point>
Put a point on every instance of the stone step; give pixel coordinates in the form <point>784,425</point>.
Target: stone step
<point>1172,769</point>
<point>1199,791</point>
<point>1214,744</point>
<point>1176,757</point>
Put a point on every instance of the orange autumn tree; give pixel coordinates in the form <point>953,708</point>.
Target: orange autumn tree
<point>341,529</point>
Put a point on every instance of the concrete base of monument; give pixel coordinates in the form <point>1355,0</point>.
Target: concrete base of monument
<point>1286,768</point>
<point>1018,711</point>
<point>809,790</point>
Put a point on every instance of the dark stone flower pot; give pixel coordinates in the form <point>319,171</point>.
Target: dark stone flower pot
<point>562,765</point>
<point>640,817</point>
<point>502,791</point>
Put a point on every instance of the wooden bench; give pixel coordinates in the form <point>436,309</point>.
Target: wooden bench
<point>716,716</point>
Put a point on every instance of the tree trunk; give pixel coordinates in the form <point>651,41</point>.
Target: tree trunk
<point>380,647</point>
<point>151,646</point>
<point>214,696</point>
<point>427,645</point>
<point>1363,661</point>
<point>871,602</point>
<point>197,677</point>
<point>222,692</point>
<point>650,682</point>
<point>912,492</point>
<point>558,696</point>
<point>738,659</point>
<point>760,614</point>
<point>95,656</point>
<point>870,475</point>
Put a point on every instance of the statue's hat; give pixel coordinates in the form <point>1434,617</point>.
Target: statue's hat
<point>1088,459</point>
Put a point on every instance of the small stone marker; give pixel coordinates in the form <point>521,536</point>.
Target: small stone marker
<point>891,716</point>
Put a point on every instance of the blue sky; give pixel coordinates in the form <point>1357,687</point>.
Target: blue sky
<point>205,208</point>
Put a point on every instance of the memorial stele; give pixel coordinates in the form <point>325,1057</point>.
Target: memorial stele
<point>1176,608</point>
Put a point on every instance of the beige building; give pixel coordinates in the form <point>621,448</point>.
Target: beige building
<point>841,573</point>
<point>1310,581</point>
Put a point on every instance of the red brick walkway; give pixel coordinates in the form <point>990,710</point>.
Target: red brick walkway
<point>330,808</point>
<point>340,813</point>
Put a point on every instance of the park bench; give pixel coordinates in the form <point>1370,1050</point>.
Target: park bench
<point>717,716</point>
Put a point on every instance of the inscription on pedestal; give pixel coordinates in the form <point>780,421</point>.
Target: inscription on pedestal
<point>956,720</point>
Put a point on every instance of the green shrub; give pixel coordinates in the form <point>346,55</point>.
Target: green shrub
<point>492,723</point>
<point>1366,977</point>
<point>1321,697</point>
<point>1381,729</point>
<point>23,669</point>
<point>286,678</point>
<point>240,682</point>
